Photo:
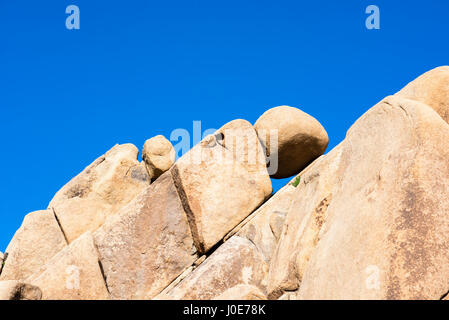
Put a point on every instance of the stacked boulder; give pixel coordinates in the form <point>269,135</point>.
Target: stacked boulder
<point>112,234</point>
<point>365,221</point>
<point>158,155</point>
<point>298,137</point>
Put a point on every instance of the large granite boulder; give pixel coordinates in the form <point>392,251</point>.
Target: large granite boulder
<point>432,89</point>
<point>370,221</point>
<point>100,190</point>
<point>217,191</point>
<point>75,273</point>
<point>298,139</point>
<point>240,138</point>
<point>147,244</point>
<point>236,262</point>
<point>264,227</point>
<point>34,243</point>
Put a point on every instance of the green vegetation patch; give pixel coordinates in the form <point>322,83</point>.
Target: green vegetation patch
<point>296,182</point>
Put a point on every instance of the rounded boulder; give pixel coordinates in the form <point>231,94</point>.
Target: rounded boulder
<point>159,155</point>
<point>300,140</point>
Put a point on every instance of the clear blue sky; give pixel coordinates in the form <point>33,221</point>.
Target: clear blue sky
<point>136,69</point>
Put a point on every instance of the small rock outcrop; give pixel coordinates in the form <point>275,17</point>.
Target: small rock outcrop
<point>300,139</point>
<point>158,155</point>
<point>16,290</point>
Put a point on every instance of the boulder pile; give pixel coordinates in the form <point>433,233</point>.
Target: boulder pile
<point>368,220</point>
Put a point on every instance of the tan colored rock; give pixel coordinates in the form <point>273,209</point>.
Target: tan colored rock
<point>217,191</point>
<point>16,290</point>
<point>35,242</point>
<point>380,229</point>
<point>304,219</point>
<point>431,88</point>
<point>159,155</point>
<point>148,244</point>
<point>100,190</point>
<point>1,262</point>
<point>240,138</point>
<point>242,292</point>
<point>73,274</point>
<point>236,262</point>
<point>182,276</point>
<point>300,139</point>
<point>264,226</point>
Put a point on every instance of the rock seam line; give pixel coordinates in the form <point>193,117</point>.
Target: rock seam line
<point>197,238</point>
<point>60,226</point>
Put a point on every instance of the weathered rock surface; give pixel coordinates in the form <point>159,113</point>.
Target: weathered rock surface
<point>263,227</point>
<point>300,139</point>
<point>1,262</point>
<point>432,89</point>
<point>16,290</point>
<point>147,244</point>
<point>366,221</point>
<point>236,262</point>
<point>100,190</point>
<point>242,292</point>
<point>73,274</point>
<point>380,230</point>
<point>158,155</point>
<point>37,240</point>
<point>240,138</point>
<point>304,219</point>
<point>217,191</point>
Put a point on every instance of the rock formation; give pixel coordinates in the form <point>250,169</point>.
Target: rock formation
<point>75,273</point>
<point>300,139</point>
<point>371,222</point>
<point>148,244</point>
<point>158,155</point>
<point>431,89</point>
<point>37,240</point>
<point>99,191</point>
<point>365,221</point>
